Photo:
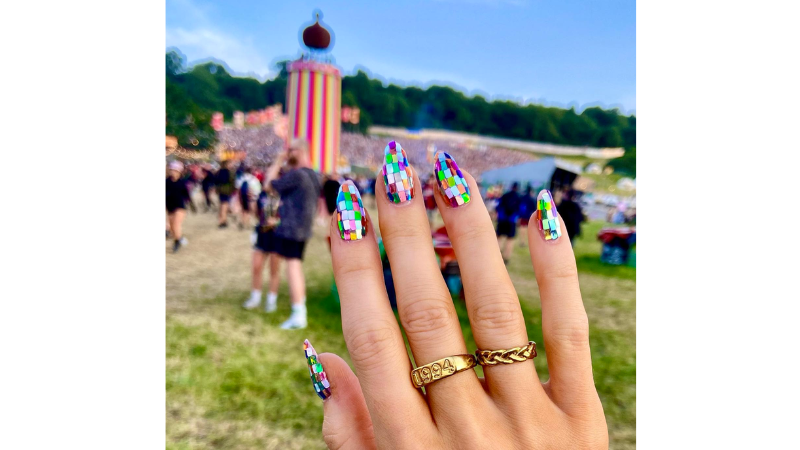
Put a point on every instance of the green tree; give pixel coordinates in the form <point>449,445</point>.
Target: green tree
<point>210,88</point>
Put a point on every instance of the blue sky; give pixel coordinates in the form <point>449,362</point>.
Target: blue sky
<point>556,52</point>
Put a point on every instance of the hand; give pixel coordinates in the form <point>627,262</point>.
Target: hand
<point>511,408</point>
<point>284,155</point>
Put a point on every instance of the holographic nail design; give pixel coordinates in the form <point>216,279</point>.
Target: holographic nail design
<point>546,216</point>
<point>397,174</point>
<point>350,215</point>
<point>451,181</point>
<point>318,378</point>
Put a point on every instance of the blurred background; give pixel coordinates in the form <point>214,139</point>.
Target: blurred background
<point>541,94</point>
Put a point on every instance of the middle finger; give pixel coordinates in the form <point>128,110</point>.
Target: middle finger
<point>424,303</point>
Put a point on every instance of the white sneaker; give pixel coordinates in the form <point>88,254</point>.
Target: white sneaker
<point>296,321</point>
<point>252,302</point>
<point>270,306</point>
<point>184,241</point>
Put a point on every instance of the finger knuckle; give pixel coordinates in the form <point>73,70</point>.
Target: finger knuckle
<point>469,234</point>
<point>336,438</point>
<point>394,231</point>
<point>572,334</point>
<point>426,316</point>
<point>355,269</point>
<point>562,271</point>
<point>501,314</point>
<point>367,344</point>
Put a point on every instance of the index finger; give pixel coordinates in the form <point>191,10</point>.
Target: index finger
<point>370,329</point>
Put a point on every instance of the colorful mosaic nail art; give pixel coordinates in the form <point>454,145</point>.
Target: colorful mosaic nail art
<point>397,174</point>
<point>350,215</point>
<point>318,378</point>
<point>451,181</point>
<point>546,216</point>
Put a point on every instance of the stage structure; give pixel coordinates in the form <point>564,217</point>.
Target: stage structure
<point>313,99</point>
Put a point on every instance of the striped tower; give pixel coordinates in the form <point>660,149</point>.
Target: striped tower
<point>313,99</point>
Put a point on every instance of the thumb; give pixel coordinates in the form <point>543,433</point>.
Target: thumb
<point>347,424</point>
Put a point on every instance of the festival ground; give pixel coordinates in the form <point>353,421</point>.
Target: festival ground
<point>234,379</point>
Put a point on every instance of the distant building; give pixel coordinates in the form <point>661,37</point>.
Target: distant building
<point>549,173</point>
<point>594,169</point>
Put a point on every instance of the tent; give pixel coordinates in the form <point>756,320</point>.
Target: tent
<point>547,173</point>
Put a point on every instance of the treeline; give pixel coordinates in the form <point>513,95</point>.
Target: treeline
<point>197,91</point>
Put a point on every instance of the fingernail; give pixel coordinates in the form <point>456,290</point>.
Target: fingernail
<point>350,215</point>
<point>546,216</point>
<point>318,378</point>
<point>397,174</point>
<point>451,181</point>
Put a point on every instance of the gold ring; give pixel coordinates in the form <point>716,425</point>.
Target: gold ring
<point>508,356</point>
<point>442,368</point>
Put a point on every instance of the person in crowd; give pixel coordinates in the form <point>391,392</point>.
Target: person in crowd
<point>618,216</point>
<point>236,205</point>
<point>225,187</point>
<point>571,214</point>
<point>249,189</point>
<point>508,209</point>
<point>188,178</point>
<point>330,190</point>
<point>177,198</point>
<point>527,206</point>
<point>264,250</point>
<point>298,189</point>
<point>207,184</point>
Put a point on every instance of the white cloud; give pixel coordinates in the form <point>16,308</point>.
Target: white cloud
<point>407,75</point>
<point>202,40</point>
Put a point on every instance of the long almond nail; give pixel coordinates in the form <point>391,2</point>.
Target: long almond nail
<point>350,215</point>
<point>397,174</point>
<point>451,181</point>
<point>547,217</point>
<point>318,378</point>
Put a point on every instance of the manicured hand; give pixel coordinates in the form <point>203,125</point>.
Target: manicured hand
<point>511,408</point>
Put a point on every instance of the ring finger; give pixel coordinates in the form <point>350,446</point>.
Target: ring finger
<point>492,302</point>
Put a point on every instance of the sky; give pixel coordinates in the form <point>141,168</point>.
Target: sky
<point>555,52</point>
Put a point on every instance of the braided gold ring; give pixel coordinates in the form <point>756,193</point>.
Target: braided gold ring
<point>506,356</point>
<point>442,368</point>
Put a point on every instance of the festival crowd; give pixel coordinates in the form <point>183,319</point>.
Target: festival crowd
<point>262,145</point>
<point>274,192</point>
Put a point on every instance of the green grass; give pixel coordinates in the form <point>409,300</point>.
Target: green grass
<point>235,380</point>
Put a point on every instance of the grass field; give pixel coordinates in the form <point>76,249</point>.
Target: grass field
<point>235,380</point>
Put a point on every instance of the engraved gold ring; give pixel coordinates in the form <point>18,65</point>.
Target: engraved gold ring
<point>506,356</point>
<point>442,368</point>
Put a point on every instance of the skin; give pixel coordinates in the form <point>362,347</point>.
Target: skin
<point>274,270</point>
<point>511,408</point>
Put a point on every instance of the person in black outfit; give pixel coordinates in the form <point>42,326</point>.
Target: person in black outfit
<point>225,188</point>
<point>177,197</point>
<point>207,184</point>
<point>571,214</point>
<point>508,208</point>
<point>330,190</point>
